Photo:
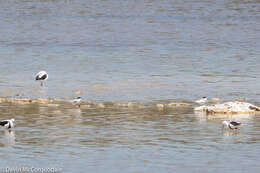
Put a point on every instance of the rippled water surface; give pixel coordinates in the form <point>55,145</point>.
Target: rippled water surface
<point>148,52</point>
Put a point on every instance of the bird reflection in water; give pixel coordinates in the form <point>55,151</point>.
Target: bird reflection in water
<point>9,137</point>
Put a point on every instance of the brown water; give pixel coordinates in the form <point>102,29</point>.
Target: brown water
<point>146,52</point>
<point>140,139</point>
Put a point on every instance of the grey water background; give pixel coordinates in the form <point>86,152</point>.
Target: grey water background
<point>124,51</point>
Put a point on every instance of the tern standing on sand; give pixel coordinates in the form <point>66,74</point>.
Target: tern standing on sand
<point>202,100</point>
<point>76,101</point>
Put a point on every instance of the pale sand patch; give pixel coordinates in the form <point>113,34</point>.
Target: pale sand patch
<point>229,108</point>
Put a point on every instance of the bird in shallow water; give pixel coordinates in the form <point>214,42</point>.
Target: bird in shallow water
<point>7,123</point>
<point>231,124</point>
<point>41,76</point>
<point>202,100</point>
<point>76,101</point>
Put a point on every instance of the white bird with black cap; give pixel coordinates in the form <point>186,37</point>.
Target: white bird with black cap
<point>41,76</point>
<point>202,100</point>
<point>7,123</point>
<point>76,101</point>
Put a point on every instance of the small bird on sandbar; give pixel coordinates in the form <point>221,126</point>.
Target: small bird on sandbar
<point>231,124</point>
<point>202,100</point>
<point>76,101</point>
<point>41,76</point>
<point>7,123</point>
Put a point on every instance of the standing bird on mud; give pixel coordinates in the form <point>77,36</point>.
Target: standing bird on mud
<point>76,101</point>
<point>7,123</point>
<point>202,100</point>
<point>41,76</point>
<point>231,124</point>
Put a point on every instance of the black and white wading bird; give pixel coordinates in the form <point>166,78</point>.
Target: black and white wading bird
<point>76,101</point>
<point>231,124</point>
<point>41,76</point>
<point>202,100</point>
<point>7,123</point>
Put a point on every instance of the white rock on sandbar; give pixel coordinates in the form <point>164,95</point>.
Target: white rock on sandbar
<point>228,108</point>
